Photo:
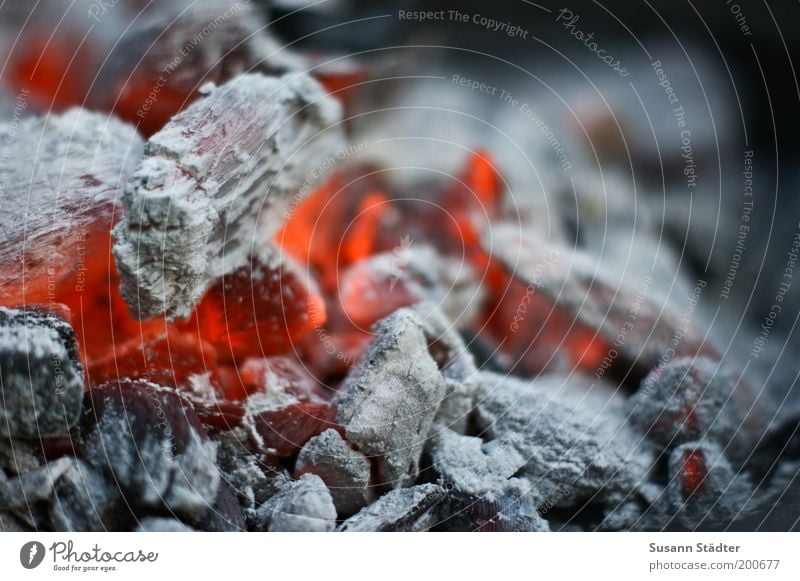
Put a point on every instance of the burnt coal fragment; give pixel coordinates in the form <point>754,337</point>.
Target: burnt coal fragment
<point>304,505</point>
<point>699,398</point>
<point>412,509</point>
<point>40,374</point>
<point>704,492</point>
<point>197,199</point>
<point>152,445</point>
<point>389,401</point>
<point>345,471</point>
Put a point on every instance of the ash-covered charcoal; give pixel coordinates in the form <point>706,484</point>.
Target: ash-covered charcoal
<point>412,509</point>
<point>58,197</point>
<point>41,376</point>
<point>456,363</point>
<point>470,465</point>
<point>570,432</point>
<point>590,317</point>
<point>699,398</point>
<point>345,471</point>
<point>152,56</point>
<point>304,505</point>
<point>151,444</point>
<point>159,524</point>
<point>198,203</point>
<point>84,500</point>
<point>485,494</point>
<point>389,401</point>
<point>704,492</point>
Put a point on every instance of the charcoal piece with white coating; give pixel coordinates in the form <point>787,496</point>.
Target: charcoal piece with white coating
<point>41,376</point>
<point>198,201</point>
<point>345,471</point>
<point>389,401</point>
<point>304,505</point>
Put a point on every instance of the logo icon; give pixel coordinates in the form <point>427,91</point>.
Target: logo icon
<point>31,554</point>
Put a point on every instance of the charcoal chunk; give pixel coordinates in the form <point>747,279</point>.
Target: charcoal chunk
<point>346,472</point>
<point>59,188</point>
<point>698,398</point>
<point>471,466</point>
<point>390,399</point>
<point>704,492</point>
<point>571,433</point>
<point>198,201</point>
<point>304,505</point>
<point>152,444</point>
<point>40,374</point>
<point>401,510</point>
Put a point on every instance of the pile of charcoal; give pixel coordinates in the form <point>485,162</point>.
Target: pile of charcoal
<point>217,320</point>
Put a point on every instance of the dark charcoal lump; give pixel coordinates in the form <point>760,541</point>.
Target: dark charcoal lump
<point>147,440</point>
<point>41,377</point>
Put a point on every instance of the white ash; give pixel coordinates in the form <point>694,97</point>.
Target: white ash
<point>720,498</point>
<point>157,524</point>
<point>389,401</point>
<point>456,363</point>
<point>401,510</point>
<point>198,203</point>
<point>63,180</point>
<point>40,374</point>
<point>572,434</point>
<point>304,505</point>
<point>699,398</point>
<point>345,471</point>
<point>166,464</point>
